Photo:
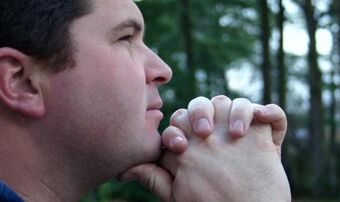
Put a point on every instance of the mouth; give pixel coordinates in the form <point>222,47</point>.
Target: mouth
<point>154,109</point>
<point>155,113</point>
<point>155,105</point>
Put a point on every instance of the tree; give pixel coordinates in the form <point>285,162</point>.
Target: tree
<point>282,77</point>
<point>316,122</point>
<point>265,38</point>
<point>187,29</point>
<point>202,39</point>
<point>334,160</point>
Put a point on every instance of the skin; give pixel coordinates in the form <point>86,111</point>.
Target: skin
<point>225,166</point>
<point>79,128</point>
<point>111,92</point>
<point>107,107</point>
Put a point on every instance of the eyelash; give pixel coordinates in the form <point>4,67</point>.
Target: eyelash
<point>125,38</point>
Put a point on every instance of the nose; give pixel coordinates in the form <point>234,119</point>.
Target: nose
<point>156,70</point>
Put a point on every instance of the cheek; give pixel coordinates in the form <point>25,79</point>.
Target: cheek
<point>119,92</point>
<point>105,114</point>
<point>121,87</point>
<point>100,107</point>
<point>118,96</point>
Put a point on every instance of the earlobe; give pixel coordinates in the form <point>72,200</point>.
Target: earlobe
<point>19,86</point>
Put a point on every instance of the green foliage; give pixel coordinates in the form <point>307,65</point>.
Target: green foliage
<point>120,192</point>
<point>225,34</point>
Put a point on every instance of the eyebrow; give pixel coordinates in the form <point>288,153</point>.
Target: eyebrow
<point>135,24</point>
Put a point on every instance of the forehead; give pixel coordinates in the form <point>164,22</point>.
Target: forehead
<point>113,12</point>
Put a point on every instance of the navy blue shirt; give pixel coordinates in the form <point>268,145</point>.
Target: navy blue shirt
<point>7,195</point>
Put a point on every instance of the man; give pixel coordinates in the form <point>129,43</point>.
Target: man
<point>79,103</point>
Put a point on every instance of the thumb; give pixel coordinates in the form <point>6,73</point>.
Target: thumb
<point>276,117</point>
<point>155,178</point>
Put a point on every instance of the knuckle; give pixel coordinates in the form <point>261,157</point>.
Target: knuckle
<point>242,106</point>
<point>177,115</point>
<point>274,107</point>
<point>198,102</point>
<point>221,98</point>
<point>242,101</point>
<point>169,131</point>
<point>169,134</point>
<point>277,109</point>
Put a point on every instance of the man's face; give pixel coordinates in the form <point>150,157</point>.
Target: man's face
<point>105,109</point>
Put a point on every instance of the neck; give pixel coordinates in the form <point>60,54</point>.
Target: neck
<point>31,172</point>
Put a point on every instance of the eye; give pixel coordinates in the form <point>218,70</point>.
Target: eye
<point>125,38</point>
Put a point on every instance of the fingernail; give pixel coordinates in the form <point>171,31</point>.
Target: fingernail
<point>238,126</point>
<point>176,140</point>
<point>128,177</point>
<point>203,124</point>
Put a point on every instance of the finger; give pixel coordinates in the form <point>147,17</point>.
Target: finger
<point>155,178</point>
<point>180,119</point>
<point>241,116</point>
<point>222,106</point>
<point>275,116</point>
<point>174,140</point>
<point>170,162</point>
<point>201,112</point>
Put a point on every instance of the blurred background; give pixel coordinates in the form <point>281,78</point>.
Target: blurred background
<point>270,51</point>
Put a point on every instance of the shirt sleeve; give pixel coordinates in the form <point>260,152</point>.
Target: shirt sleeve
<point>7,195</point>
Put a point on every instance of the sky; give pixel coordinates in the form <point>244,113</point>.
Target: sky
<point>242,79</point>
<point>245,80</point>
<point>296,36</point>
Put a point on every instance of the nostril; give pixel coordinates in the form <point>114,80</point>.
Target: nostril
<point>157,71</point>
<point>160,80</point>
<point>158,74</point>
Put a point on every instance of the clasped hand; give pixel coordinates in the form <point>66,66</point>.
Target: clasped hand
<point>220,150</point>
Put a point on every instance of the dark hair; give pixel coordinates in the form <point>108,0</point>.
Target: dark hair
<point>40,28</point>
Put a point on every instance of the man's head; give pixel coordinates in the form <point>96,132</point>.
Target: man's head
<point>40,28</point>
<point>99,117</point>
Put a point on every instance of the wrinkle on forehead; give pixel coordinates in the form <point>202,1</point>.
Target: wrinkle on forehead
<point>108,14</point>
<point>121,8</point>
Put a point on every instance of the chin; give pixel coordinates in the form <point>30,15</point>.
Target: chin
<point>145,152</point>
<point>149,153</point>
<point>150,148</point>
<point>153,148</point>
<point>146,149</point>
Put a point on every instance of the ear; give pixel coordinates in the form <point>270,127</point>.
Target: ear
<point>20,88</point>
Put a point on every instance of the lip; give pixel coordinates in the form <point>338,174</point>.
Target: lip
<point>153,109</point>
<point>157,105</point>
<point>156,113</point>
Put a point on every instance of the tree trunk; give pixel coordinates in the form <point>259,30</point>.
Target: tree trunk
<point>337,9</point>
<point>316,118</point>
<point>333,160</point>
<point>265,37</point>
<point>187,30</point>
<point>332,164</point>
<point>281,60</point>
<point>334,105</point>
<point>282,85</point>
